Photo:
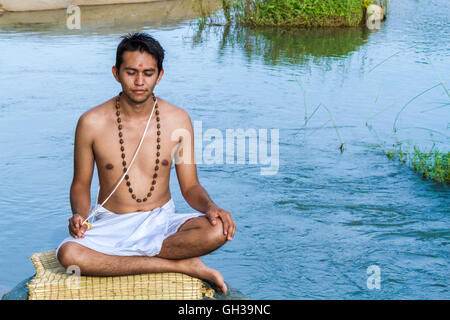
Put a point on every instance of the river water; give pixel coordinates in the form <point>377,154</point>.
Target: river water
<point>311,228</point>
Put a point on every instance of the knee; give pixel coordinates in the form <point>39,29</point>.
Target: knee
<point>69,254</point>
<point>216,235</point>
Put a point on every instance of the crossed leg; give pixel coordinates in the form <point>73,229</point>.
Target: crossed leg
<point>179,253</point>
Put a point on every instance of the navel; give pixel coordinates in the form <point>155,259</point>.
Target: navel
<point>109,166</point>
<point>165,162</point>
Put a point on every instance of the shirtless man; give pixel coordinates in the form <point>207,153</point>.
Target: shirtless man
<point>139,69</point>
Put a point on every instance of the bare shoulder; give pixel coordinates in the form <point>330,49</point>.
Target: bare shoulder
<point>97,117</point>
<point>179,117</point>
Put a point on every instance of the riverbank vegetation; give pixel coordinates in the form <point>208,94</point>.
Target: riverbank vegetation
<point>291,13</point>
<point>294,13</point>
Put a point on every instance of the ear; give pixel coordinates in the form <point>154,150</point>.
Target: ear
<point>115,73</point>
<point>160,76</point>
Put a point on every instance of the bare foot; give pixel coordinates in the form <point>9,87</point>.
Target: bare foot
<point>196,268</point>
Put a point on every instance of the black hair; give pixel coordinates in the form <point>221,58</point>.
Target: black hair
<point>143,42</point>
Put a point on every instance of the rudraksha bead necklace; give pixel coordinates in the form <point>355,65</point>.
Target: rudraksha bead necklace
<point>122,149</point>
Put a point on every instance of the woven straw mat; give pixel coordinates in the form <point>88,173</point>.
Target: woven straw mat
<point>51,282</point>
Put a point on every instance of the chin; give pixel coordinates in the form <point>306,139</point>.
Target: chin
<point>142,99</point>
<point>139,98</point>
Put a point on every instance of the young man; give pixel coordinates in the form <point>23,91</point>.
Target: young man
<point>136,230</point>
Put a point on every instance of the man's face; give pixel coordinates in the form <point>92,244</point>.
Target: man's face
<point>138,75</point>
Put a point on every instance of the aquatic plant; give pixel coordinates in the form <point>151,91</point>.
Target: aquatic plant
<point>434,165</point>
<point>341,147</point>
<point>331,118</point>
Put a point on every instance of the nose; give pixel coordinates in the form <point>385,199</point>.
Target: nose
<point>139,79</point>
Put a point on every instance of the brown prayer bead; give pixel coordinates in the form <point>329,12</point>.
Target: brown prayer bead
<point>122,148</point>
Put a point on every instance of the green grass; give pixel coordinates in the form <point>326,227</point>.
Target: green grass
<point>434,165</point>
<point>294,13</point>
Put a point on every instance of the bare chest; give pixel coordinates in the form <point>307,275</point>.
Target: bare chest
<point>114,150</point>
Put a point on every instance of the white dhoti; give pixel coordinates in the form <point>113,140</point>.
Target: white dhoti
<point>132,234</point>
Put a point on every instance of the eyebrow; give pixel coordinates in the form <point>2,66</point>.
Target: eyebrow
<point>130,68</point>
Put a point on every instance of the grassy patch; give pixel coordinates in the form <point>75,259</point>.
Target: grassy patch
<point>434,165</point>
<point>295,13</point>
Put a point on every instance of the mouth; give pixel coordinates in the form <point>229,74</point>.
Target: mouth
<point>139,91</point>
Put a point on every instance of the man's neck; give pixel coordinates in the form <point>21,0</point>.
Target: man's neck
<point>133,110</point>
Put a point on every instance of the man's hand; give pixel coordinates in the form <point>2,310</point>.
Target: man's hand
<point>76,226</point>
<point>229,227</point>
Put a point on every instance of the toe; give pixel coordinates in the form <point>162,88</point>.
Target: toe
<point>224,289</point>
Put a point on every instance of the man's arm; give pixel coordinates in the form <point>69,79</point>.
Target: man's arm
<point>194,194</point>
<point>80,197</point>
